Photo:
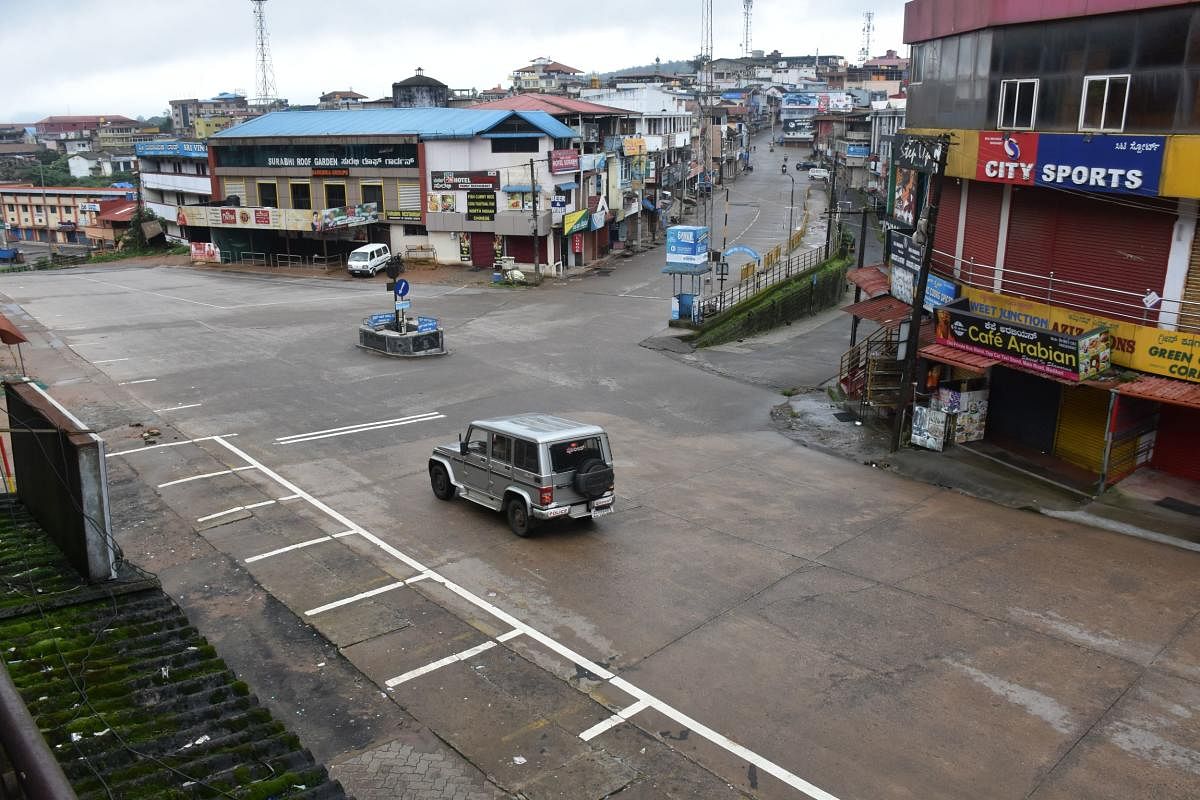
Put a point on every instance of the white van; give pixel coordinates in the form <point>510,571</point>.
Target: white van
<point>368,259</point>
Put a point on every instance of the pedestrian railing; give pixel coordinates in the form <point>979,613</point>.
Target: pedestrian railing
<point>757,281</point>
<point>250,257</point>
<point>288,260</point>
<point>327,262</point>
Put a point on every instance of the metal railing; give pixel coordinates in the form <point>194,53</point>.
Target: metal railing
<point>35,770</point>
<point>758,281</point>
<point>289,260</point>
<point>251,257</point>
<point>1105,301</point>
<point>328,262</point>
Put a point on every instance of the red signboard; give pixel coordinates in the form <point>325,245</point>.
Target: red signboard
<point>228,216</point>
<point>577,242</point>
<point>1009,157</point>
<point>262,216</point>
<point>564,161</point>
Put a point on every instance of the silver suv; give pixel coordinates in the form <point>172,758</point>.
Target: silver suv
<point>531,466</point>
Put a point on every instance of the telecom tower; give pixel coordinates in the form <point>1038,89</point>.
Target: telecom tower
<point>867,29</point>
<point>747,45</point>
<point>264,72</point>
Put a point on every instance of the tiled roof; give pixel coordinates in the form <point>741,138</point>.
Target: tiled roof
<point>131,700</point>
<point>552,104</point>
<point>428,123</point>
<point>1162,390</point>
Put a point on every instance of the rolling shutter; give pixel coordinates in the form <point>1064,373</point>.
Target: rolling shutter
<point>1189,316</point>
<point>1082,423</point>
<point>1175,448</point>
<point>981,233</point>
<point>409,194</point>
<point>946,235</point>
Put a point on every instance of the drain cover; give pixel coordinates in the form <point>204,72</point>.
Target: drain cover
<point>845,416</point>
<point>1179,505</point>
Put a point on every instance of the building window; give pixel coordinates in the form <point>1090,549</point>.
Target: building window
<point>301,195</point>
<point>335,195</point>
<point>37,209</point>
<point>1018,104</point>
<point>519,144</point>
<point>415,230</point>
<point>268,194</point>
<point>372,193</point>
<point>1105,98</point>
<point>12,207</point>
<point>202,169</point>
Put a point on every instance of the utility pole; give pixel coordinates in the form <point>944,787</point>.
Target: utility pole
<point>46,211</point>
<point>942,145</point>
<point>832,203</point>
<point>862,252</point>
<point>791,215</point>
<point>533,193</point>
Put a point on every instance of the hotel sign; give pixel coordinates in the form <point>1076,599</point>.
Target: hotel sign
<point>451,181</point>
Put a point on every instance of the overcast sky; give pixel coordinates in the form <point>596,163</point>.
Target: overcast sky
<point>127,57</point>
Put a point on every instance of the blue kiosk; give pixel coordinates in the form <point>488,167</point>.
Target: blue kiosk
<point>687,264</point>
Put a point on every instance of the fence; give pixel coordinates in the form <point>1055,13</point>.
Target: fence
<point>779,270</point>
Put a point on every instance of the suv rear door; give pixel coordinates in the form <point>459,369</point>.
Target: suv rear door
<point>566,457</point>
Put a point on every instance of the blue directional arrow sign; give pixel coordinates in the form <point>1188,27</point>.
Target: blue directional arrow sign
<point>402,288</point>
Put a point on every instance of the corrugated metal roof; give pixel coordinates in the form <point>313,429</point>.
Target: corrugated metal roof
<point>880,309</point>
<point>552,104</point>
<point>1162,390</point>
<point>870,279</point>
<point>946,354</point>
<point>428,123</point>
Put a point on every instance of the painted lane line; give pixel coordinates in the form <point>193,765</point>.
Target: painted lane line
<point>344,533</point>
<point>369,426</point>
<point>287,549</point>
<point>356,426</point>
<point>131,383</point>
<point>391,683</point>
<point>504,637</point>
<point>175,408</point>
<point>199,477</point>
<point>289,497</point>
<point>348,600</point>
<point>109,361</point>
<point>764,764</point>
<point>614,720</point>
<point>168,444</point>
<point>235,510</point>
<point>771,768</point>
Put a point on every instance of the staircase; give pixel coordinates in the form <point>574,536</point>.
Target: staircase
<point>870,374</point>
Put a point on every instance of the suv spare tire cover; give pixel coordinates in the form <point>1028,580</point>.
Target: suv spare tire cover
<point>593,478</point>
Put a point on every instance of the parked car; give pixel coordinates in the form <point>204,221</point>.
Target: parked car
<point>818,174</point>
<point>368,259</point>
<point>531,466</point>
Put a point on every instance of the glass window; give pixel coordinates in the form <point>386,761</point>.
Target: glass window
<point>335,195</point>
<point>501,448</point>
<point>917,63</point>
<point>477,442</point>
<point>519,144</point>
<point>268,194</point>
<point>567,456</point>
<point>372,193</point>
<point>416,230</point>
<point>1018,104</point>
<point>525,456</point>
<point>1104,101</point>
<point>301,196</point>
<point>37,209</point>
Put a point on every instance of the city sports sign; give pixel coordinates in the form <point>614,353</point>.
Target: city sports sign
<point>1108,163</point>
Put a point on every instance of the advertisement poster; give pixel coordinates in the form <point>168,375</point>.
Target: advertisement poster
<point>576,221</point>
<point>440,202</point>
<point>906,264</point>
<point>464,247</point>
<point>205,252</point>
<point>345,216</point>
<point>907,197</point>
<point>1007,157</point>
<point>481,206</point>
<point>1059,355</point>
<point>929,428</point>
<point>451,181</point>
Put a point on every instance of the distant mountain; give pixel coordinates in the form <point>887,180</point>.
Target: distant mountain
<point>665,68</point>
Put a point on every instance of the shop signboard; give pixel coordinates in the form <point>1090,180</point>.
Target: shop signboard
<point>576,221</point>
<point>577,242</point>
<point>564,161</point>
<point>858,150</point>
<point>343,217</point>
<point>177,149</point>
<point>687,244</point>
<point>558,207</point>
<point>289,219</point>
<point>412,215</point>
<point>1154,350</point>
<point>396,155</point>
<point>634,146</point>
<point>906,264</point>
<point>481,206</point>
<point>481,179</point>
<point>1110,163</point>
<point>1059,355</point>
<point>89,207</point>
<point>918,153</point>
<point>1007,157</point>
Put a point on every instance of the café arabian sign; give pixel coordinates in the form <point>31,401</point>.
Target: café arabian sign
<point>450,181</point>
<point>1059,355</point>
<point>1112,163</point>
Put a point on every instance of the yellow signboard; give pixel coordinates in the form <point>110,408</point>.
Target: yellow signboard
<point>1153,350</point>
<point>634,146</point>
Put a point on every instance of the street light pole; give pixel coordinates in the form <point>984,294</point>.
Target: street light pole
<point>791,215</point>
<point>46,211</point>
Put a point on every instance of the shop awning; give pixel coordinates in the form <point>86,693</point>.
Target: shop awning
<point>9,333</point>
<point>945,354</point>
<point>567,185</point>
<point>1162,390</point>
<point>886,310</point>
<point>513,188</point>
<point>870,279</point>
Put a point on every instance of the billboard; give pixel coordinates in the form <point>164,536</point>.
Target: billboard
<point>1109,163</point>
<point>1007,157</point>
<point>820,102</point>
<point>906,264</point>
<point>564,161</point>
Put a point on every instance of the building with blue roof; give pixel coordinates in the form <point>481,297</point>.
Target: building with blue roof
<point>450,184</point>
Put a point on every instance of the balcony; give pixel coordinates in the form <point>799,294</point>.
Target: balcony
<point>173,182</point>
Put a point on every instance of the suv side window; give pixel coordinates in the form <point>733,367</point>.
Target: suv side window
<point>477,442</point>
<point>501,448</point>
<point>525,456</point>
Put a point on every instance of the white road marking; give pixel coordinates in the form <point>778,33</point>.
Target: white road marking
<point>716,738</point>
<point>131,383</point>
<point>504,637</point>
<point>360,596</point>
<point>391,683</point>
<point>289,497</point>
<point>614,720</point>
<point>234,510</point>
<point>168,444</point>
<point>291,547</point>
<point>200,477</point>
<point>361,427</point>
<point>175,408</point>
<point>109,361</point>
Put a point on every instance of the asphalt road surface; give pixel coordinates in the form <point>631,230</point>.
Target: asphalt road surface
<point>756,619</point>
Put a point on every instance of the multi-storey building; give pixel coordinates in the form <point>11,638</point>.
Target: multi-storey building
<point>173,174</point>
<point>1068,208</point>
<point>456,184</point>
<point>545,75</point>
<point>72,134</point>
<point>887,117</point>
<point>58,214</point>
<point>185,113</point>
<point>101,164</point>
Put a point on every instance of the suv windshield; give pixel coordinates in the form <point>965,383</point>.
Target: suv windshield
<point>567,456</point>
<point>358,256</point>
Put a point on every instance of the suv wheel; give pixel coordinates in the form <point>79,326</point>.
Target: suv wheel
<point>443,489</point>
<point>593,478</point>
<point>518,517</point>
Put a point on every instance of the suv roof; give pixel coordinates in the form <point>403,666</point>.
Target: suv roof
<point>540,427</point>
